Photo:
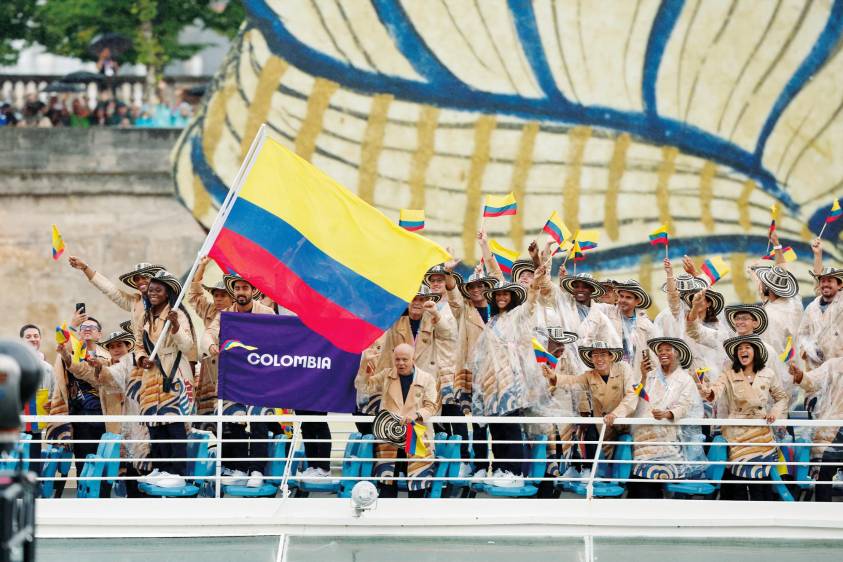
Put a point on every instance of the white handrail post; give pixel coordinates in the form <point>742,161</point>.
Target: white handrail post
<point>218,484</point>
<point>590,486</point>
<point>285,490</point>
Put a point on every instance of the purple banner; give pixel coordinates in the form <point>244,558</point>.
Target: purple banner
<point>278,362</point>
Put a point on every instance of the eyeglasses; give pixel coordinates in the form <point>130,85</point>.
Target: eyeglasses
<point>88,327</point>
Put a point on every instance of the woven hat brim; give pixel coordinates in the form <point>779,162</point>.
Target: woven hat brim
<point>229,281</point>
<point>682,349</point>
<point>791,290</point>
<point>586,353</point>
<point>731,347</point>
<point>520,295</point>
<point>520,266</point>
<point>125,336</point>
<point>717,300</point>
<point>567,337</point>
<point>150,271</point>
<point>567,283</point>
<point>837,274</point>
<point>488,282</point>
<point>646,300</point>
<point>756,312</point>
<point>457,277</point>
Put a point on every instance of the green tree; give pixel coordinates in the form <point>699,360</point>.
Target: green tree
<point>66,27</point>
<point>15,21</point>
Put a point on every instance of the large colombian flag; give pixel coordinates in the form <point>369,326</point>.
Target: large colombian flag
<point>316,248</point>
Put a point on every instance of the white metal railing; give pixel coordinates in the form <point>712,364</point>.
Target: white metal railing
<point>340,436</point>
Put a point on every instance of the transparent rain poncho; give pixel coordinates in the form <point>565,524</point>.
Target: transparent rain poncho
<point>506,376</point>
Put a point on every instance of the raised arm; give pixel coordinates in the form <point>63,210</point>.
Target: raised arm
<point>196,296</point>
<point>491,263</point>
<point>124,300</point>
<point>672,292</point>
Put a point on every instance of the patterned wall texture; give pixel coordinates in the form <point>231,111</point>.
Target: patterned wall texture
<point>620,114</point>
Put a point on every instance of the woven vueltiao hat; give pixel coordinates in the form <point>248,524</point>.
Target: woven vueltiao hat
<point>683,352</point>
<point>778,280</point>
<point>756,311</point>
<point>143,268</point>
<point>586,352</point>
<point>731,346</point>
<point>568,281</point>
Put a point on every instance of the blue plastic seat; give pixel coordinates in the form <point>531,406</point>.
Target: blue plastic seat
<point>104,464</point>
<point>326,485</point>
<point>603,489</point>
<point>19,457</point>
<point>718,451</point>
<point>444,452</point>
<point>538,454</point>
<point>57,461</point>
<point>199,470</point>
<point>274,473</point>
<point>353,467</point>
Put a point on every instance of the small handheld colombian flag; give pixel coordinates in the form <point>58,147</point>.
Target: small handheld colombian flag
<point>414,444</point>
<point>62,334</point>
<point>787,252</point>
<point>411,219</point>
<point>659,236</point>
<point>504,256</point>
<point>587,239</point>
<point>715,269</point>
<point>774,216</point>
<point>789,351</point>
<point>557,229</point>
<point>639,390</point>
<point>835,212</point>
<point>543,355</point>
<point>499,206</point>
<point>58,243</point>
<point>576,252</point>
<point>701,373</point>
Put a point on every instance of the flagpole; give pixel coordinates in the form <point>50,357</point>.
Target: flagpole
<point>666,255</point>
<point>822,230</point>
<point>213,232</point>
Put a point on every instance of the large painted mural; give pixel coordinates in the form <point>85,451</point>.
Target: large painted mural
<point>620,114</point>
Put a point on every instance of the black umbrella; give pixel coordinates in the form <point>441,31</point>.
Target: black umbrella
<point>62,87</point>
<point>114,42</point>
<point>82,77</point>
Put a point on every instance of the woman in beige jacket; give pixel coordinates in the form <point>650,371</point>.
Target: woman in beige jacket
<point>747,387</point>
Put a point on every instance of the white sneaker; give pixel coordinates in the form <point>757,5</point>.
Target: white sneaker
<point>571,473</point>
<point>239,478</point>
<point>151,477</point>
<point>167,480</point>
<point>256,480</point>
<point>465,471</point>
<point>837,480</point>
<point>314,473</point>
<point>586,474</point>
<point>506,479</point>
<point>479,475</point>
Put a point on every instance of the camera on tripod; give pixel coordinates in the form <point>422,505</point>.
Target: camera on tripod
<point>20,373</point>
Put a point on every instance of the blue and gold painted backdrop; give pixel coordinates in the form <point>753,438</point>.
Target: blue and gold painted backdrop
<point>621,114</point>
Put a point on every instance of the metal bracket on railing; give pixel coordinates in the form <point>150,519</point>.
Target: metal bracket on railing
<point>590,486</point>
<point>285,489</point>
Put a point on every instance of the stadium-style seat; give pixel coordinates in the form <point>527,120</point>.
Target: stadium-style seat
<point>199,470</point>
<point>105,463</point>
<point>717,453</point>
<point>326,485</point>
<point>444,453</point>
<point>603,489</point>
<point>538,456</point>
<point>355,469</point>
<point>273,473</point>
<point>18,458</point>
<point>57,461</point>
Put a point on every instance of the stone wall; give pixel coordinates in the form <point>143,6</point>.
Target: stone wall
<point>109,191</point>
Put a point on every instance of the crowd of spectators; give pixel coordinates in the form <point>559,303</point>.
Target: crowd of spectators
<point>78,110</point>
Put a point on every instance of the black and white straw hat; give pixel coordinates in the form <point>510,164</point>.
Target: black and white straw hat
<point>683,352</point>
<point>559,335</point>
<point>716,300</point>
<point>229,279</point>
<point>142,268</point>
<point>119,335</point>
<point>586,352</point>
<point>755,310</point>
<point>218,286</point>
<point>634,287</point>
<point>834,272</point>
<point>778,280</point>
<point>388,427</point>
<point>520,266</point>
<point>568,281</point>
<point>424,291</point>
<point>487,282</point>
<point>686,282</point>
<point>731,346</point>
<point>440,270</point>
<point>519,295</point>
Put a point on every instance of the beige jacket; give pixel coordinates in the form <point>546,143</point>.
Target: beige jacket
<point>615,396</point>
<point>422,399</point>
<point>200,302</point>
